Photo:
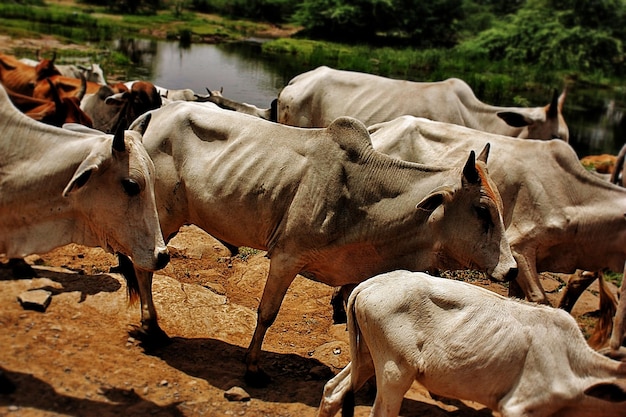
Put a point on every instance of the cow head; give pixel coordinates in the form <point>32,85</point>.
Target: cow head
<point>467,223</point>
<point>119,175</point>
<point>126,106</point>
<point>45,68</point>
<point>541,122</point>
<point>63,110</point>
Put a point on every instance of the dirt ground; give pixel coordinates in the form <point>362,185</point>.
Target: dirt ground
<point>77,358</point>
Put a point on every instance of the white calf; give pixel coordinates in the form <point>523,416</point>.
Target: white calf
<point>465,342</point>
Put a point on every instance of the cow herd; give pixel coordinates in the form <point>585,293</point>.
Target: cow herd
<point>353,180</point>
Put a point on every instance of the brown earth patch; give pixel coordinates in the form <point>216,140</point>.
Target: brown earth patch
<point>77,358</point>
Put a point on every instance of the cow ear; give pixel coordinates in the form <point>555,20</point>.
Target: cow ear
<point>81,176</point>
<point>608,391</point>
<point>117,99</point>
<point>514,119</point>
<point>434,199</point>
<point>484,154</point>
<point>141,125</point>
<point>470,173</point>
<point>77,127</point>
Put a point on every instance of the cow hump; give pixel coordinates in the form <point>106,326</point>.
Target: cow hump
<point>351,135</point>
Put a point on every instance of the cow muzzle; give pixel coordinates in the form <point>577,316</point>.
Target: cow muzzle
<point>163,258</point>
<point>511,275</point>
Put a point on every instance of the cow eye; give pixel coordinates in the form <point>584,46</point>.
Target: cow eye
<point>131,187</point>
<point>484,215</point>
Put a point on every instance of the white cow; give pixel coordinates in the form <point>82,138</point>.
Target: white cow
<point>315,98</point>
<point>558,216</point>
<point>465,342</point>
<point>217,98</point>
<point>58,187</point>
<point>321,202</point>
<point>93,73</point>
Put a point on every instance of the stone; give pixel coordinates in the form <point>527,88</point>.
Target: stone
<point>37,300</point>
<point>237,394</point>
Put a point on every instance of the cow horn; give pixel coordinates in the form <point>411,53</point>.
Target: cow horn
<point>469,171</point>
<point>118,139</point>
<point>484,154</point>
<point>55,95</point>
<point>83,87</point>
<point>553,109</point>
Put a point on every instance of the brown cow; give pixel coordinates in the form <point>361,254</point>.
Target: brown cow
<point>54,112</point>
<point>65,86</point>
<point>22,78</point>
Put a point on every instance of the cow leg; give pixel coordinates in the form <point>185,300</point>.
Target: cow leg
<point>392,382</point>
<point>339,300</point>
<point>150,332</point>
<point>281,274</point>
<point>334,392</point>
<point>139,282</point>
<point>577,283</point>
<point>20,268</point>
<point>349,380</point>
<point>528,281</point>
<point>619,323</point>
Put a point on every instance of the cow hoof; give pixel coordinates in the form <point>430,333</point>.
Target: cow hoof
<point>258,379</point>
<point>20,269</point>
<point>151,339</point>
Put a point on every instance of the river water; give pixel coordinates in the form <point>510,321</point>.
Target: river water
<point>596,117</point>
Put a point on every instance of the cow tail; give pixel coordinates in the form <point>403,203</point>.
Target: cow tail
<point>604,325</point>
<point>126,268</point>
<point>347,410</point>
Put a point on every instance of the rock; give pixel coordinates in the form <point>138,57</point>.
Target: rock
<point>37,300</point>
<point>236,394</point>
<point>335,354</point>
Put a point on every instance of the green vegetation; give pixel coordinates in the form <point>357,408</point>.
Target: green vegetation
<point>495,44</point>
<point>614,277</point>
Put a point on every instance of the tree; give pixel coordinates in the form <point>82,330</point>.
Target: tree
<point>422,23</point>
<point>557,34</point>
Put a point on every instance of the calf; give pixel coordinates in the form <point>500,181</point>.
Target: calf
<point>464,342</point>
